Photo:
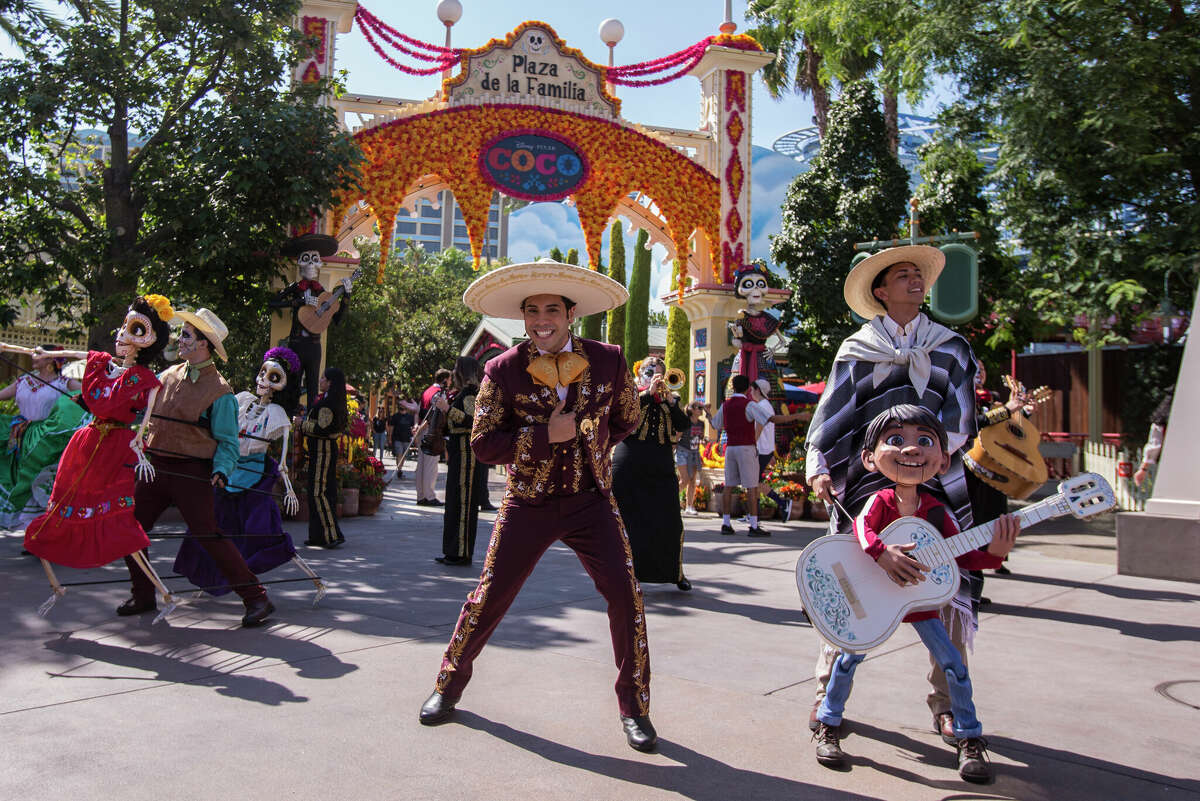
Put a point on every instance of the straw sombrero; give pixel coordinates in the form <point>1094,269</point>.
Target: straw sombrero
<point>500,292</point>
<point>929,261</point>
<point>208,323</point>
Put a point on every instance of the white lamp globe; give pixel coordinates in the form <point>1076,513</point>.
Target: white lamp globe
<point>449,11</point>
<point>611,31</point>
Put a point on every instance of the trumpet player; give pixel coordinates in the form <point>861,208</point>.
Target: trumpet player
<point>644,480</point>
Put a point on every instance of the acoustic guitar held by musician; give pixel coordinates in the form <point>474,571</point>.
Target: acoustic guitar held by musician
<point>856,589</point>
<point>317,317</point>
<point>1005,455</point>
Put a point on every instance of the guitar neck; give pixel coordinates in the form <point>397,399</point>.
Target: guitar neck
<point>981,535</point>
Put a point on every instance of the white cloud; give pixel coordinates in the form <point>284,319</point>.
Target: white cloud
<point>535,229</point>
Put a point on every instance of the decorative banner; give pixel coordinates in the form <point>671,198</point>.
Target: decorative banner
<point>532,165</point>
<point>532,67</point>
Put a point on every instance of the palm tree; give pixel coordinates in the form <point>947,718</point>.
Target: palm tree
<point>797,64</point>
<point>23,20</point>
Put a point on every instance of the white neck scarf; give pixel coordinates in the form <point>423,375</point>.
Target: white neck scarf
<point>871,343</point>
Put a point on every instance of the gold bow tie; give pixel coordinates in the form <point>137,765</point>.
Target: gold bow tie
<point>552,369</point>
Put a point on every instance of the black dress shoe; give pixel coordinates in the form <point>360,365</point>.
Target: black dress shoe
<point>436,709</point>
<point>133,606</point>
<point>452,560</point>
<point>257,613</point>
<point>486,507</point>
<point>435,502</point>
<point>684,584</point>
<point>640,733</point>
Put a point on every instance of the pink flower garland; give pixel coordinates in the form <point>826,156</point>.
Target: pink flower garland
<point>628,75</point>
<point>369,23</point>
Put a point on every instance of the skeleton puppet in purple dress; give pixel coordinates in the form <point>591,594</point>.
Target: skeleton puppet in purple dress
<point>246,509</point>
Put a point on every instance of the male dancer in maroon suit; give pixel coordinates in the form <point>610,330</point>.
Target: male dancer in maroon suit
<point>552,408</point>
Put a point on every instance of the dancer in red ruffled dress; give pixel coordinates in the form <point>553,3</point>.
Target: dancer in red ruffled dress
<point>89,521</point>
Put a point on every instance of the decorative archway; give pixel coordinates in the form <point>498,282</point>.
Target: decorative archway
<point>617,161</point>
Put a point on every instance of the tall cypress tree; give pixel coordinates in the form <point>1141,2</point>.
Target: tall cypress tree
<point>616,271</point>
<point>679,332</point>
<point>557,254</point>
<point>637,318</point>
<point>591,326</point>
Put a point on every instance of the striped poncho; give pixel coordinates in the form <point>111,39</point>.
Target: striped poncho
<point>872,373</point>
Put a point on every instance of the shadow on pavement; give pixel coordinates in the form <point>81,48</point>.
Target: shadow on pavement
<point>1039,773</point>
<point>1126,593</point>
<point>1156,632</point>
<point>696,776</point>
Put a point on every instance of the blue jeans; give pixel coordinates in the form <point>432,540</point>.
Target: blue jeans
<point>379,439</point>
<point>933,634</point>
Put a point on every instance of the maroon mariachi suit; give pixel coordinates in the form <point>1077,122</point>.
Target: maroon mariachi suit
<point>556,491</point>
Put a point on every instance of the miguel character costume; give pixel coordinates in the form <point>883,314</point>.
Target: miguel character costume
<point>881,510</point>
<point>556,491</point>
<point>880,366</point>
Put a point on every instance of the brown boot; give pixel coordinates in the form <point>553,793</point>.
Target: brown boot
<point>829,746</point>
<point>973,763</point>
<point>943,724</point>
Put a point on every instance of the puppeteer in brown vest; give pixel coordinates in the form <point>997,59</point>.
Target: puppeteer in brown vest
<point>181,399</point>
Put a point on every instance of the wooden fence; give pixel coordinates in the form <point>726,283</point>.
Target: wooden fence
<point>1110,462</point>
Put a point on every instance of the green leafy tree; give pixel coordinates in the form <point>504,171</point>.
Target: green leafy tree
<point>557,255</point>
<point>855,191</point>
<point>616,271</point>
<point>679,334</point>
<point>403,330</point>
<point>637,322</point>
<point>952,198</point>
<point>157,148</point>
<point>819,44</point>
<point>1093,108</point>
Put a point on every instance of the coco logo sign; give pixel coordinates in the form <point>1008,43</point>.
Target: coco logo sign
<point>532,166</point>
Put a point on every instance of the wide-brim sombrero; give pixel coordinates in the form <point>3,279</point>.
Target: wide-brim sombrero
<point>322,243</point>
<point>500,292</point>
<point>857,290</point>
<point>208,323</point>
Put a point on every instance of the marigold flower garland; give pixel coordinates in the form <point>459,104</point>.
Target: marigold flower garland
<point>447,143</point>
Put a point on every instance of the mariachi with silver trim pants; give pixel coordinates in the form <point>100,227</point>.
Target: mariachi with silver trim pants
<point>588,523</point>
<point>323,526</point>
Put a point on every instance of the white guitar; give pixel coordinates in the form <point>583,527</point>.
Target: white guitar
<point>853,604</point>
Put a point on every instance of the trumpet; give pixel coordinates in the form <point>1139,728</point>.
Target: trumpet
<point>675,379</point>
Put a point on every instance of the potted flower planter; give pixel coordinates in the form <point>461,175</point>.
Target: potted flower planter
<point>817,511</point>
<point>369,504</point>
<point>349,502</point>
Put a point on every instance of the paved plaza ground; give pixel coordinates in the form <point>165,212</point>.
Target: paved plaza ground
<point>1087,683</point>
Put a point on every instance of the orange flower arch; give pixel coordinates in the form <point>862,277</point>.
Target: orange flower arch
<point>447,142</point>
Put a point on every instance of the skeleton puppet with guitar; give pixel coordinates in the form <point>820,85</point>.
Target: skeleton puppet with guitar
<point>314,308</point>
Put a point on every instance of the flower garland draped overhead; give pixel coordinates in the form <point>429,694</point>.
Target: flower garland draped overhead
<point>448,143</point>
